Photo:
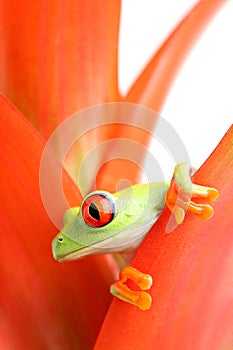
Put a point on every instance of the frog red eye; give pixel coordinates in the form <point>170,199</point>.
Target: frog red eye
<point>98,210</point>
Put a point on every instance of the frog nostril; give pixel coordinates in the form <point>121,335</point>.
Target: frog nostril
<point>60,239</point>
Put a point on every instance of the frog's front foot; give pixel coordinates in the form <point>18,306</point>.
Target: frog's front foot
<point>182,191</point>
<point>139,298</point>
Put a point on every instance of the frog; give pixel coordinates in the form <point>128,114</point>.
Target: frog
<point>117,223</point>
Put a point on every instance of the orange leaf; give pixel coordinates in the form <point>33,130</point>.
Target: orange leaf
<point>58,57</point>
<point>44,305</point>
<point>153,85</point>
<point>192,273</point>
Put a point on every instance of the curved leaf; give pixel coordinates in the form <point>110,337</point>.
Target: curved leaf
<point>153,85</point>
<point>44,305</point>
<point>192,273</point>
<point>58,57</point>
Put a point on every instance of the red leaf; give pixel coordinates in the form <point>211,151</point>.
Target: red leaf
<point>44,305</point>
<point>58,57</point>
<point>192,273</point>
<point>153,85</point>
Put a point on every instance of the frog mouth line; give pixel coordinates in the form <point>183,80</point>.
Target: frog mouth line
<point>77,254</point>
<point>102,247</point>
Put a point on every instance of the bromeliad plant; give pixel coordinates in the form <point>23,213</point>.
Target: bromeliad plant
<point>61,58</point>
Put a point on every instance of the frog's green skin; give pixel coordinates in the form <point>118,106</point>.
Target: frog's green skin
<point>137,208</point>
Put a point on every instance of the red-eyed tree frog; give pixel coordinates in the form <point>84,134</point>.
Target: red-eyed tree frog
<point>117,223</point>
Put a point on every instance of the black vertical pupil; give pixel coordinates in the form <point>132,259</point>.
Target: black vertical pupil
<point>94,212</point>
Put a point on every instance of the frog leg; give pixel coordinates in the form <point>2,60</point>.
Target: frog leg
<point>182,191</point>
<point>139,298</point>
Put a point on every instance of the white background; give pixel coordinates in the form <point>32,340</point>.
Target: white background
<point>200,104</point>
